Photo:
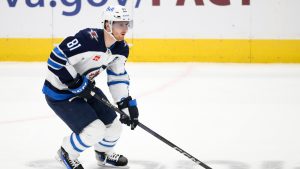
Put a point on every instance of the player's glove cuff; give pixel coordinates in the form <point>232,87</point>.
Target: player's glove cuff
<point>129,105</point>
<point>82,87</point>
<point>75,83</point>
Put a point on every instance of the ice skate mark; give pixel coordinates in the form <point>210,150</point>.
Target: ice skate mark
<point>44,164</point>
<point>137,164</point>
<point>273,165</point>
<point>170,83</point>
<point>25,119</point>
<point>228,164</point>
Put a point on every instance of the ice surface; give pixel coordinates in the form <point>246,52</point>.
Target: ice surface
<point>231,116</point>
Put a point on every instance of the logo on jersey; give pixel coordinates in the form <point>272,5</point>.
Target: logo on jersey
<point>93,34</point>
<point>110,9</point>
<point>93,74</point>
<point>96,58</point>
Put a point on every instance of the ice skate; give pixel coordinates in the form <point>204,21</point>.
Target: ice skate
<point>112,160</point>
<point>63,158</point>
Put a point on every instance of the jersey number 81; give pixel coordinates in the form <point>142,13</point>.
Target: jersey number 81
<point>74,44</point>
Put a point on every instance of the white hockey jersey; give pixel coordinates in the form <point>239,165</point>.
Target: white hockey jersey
<point>86,54</point>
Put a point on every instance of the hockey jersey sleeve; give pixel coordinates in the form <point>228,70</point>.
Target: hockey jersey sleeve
<point>118,78</point>
<point>64,56</point>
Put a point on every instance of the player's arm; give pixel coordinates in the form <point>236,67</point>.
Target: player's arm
<point>118,79</point>
<point>118,82</point>
<point>63,57</point>
<point>61,61</point>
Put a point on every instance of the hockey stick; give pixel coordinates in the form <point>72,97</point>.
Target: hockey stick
<point>107,103</point>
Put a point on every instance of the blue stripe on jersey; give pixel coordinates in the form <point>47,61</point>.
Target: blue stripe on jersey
<point>56,96</point>
<point>117,82</point>
<point>73,144</point>
<point>109,72</point>
<point>49,85</point>
<point>54,65</point>
<point>63,74</point>
<point>57,59</point>
<point>59,54</point>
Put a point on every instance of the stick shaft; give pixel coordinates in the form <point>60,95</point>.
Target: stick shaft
<point>107,103</point>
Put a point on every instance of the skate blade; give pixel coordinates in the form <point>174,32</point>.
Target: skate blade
<point>60,161</point>
<point>108,166</point>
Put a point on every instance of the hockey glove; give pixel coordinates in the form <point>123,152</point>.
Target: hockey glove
<point>82,87</point>
<point>129,105</point>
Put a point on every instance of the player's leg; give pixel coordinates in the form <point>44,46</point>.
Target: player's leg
<point>105,147</point>
<point>83,121</point>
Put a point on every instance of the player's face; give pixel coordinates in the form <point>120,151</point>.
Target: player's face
<point>120,29</point>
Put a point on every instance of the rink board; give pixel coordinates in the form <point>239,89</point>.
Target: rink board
<point>170,50</point>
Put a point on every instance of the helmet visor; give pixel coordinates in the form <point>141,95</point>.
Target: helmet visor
<point>123,24</point>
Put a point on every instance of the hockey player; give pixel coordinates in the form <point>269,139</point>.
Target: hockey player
<point>69,88</point>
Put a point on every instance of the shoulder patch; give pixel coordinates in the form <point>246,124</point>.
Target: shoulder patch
<point>93,35</point>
